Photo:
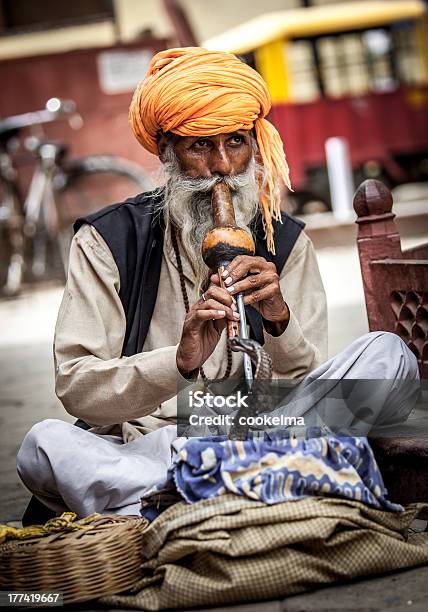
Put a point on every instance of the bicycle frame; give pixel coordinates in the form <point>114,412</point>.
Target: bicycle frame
<point>34,204</point>
<point>38,212</point>
<point>11,215</point>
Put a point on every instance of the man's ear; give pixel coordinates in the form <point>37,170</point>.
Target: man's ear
<point>162,143</point>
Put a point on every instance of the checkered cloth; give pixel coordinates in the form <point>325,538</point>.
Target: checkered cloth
<point>227,549</point>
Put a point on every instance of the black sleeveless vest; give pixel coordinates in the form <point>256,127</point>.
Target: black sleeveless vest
<point>134,235</point>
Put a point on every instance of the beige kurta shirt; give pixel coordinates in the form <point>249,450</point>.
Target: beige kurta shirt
<point>134,395</point>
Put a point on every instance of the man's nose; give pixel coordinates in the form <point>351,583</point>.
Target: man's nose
<point>220,162</point>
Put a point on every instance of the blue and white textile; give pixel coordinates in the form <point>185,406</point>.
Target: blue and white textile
<point>277,469</point>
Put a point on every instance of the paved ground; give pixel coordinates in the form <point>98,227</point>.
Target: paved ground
<point>27,396</point>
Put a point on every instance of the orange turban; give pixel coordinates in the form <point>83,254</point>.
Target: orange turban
<point>191,91</point>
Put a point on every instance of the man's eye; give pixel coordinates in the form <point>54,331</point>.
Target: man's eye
<point>202,142</point>
<point>237,139</point>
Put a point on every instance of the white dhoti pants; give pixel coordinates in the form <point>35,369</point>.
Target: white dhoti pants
<point>69,468</point>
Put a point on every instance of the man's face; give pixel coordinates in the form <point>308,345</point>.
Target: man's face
<point>206,156</point>
<point>191,167</point>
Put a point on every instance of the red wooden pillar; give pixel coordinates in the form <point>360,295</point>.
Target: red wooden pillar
<point>396,291</point>
<point>377,239</point>
<point>395,281</point>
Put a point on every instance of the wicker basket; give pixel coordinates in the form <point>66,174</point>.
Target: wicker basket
<point>82,564</point>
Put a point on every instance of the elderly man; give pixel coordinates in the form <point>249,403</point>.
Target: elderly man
<point>141,312</point>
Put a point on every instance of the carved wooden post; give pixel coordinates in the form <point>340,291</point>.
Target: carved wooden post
<point>396,292</point>
<point>377,239</point>
<point>395,281</point>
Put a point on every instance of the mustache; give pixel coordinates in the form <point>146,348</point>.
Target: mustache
<point>235,182</point>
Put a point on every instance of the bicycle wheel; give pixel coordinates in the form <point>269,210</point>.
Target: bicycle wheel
<point>87,184</point>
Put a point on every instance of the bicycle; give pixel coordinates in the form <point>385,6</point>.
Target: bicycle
<point>60,189</point>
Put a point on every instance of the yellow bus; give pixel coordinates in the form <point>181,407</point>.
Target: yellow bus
<point>356,70</point>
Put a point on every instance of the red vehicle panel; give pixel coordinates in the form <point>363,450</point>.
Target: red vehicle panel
<point>377,126</point>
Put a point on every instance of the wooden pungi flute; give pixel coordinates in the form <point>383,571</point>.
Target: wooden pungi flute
<point>222,243</point>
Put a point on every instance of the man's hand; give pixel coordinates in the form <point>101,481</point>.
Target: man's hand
<point>259,281</point>
<point>203,326</point>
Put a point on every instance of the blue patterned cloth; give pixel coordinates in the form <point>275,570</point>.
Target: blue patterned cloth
<point>277,469</point>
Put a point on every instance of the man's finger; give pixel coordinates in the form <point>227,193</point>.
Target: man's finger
<point>214,279</point>
<point>242,265</point>
<point>211,313</point>
<point>217,293</point>
<point>212,304</point>
<point>253,282</point>
<point>259,295</point>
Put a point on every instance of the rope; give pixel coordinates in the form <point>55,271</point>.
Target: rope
<point>65,522</point>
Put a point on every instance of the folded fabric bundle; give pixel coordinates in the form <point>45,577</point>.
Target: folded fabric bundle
<point>271,470</point>
<point>232,549</point>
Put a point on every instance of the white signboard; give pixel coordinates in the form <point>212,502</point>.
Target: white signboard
<point>121,71</point>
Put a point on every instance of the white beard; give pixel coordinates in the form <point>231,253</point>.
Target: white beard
<point>187,204</point>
